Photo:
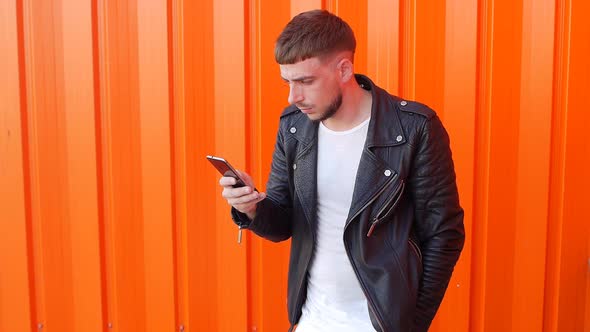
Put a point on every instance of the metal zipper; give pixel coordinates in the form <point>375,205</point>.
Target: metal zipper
<point>376,220</point>
<point>385,206</point>
<point>370,201</point>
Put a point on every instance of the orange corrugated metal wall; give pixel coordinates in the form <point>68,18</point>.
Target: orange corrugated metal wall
<point>111,219</point>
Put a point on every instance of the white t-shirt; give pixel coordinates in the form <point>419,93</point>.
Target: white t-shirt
<point>335,301</point>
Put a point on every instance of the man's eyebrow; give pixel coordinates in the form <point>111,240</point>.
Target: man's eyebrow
<point>299,79</point>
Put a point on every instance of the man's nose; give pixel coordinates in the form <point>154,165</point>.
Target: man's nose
<point>295,94</point>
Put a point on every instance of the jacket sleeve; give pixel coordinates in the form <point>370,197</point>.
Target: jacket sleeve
<point>273,214</point>
<point>439,218</point>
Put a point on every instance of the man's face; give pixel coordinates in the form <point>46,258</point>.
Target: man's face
<point>313,87</point>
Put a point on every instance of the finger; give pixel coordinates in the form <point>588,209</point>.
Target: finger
<point>245,207</point>
<point>231,192</point>
<point>246,199</point>
<point>227,181</point>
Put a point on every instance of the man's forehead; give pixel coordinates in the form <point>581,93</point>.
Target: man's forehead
<point>306,67</point>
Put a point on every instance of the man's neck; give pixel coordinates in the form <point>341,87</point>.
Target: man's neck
<point>355,108</point>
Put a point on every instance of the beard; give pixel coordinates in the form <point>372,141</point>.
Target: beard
<point>331,109</point>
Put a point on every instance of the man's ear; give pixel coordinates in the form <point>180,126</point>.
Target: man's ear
<point>346,69</point>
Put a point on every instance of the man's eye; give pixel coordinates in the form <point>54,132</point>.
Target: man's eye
<point>307,82</point>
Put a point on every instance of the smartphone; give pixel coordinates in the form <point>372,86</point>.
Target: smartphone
<point>226,170</point>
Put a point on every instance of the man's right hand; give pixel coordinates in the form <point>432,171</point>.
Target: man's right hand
<point>243,199</point>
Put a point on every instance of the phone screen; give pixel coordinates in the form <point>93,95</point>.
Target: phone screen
<point>226,169</point>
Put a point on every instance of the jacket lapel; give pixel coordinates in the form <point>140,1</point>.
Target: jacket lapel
<point>305,167</point>
<point>372,178</point>
<point>374,173</point>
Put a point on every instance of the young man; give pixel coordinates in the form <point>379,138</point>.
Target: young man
<point>364,185</point>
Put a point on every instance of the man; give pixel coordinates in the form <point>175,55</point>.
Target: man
<point>363,183</point>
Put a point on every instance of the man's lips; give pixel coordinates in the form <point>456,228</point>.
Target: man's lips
<point>305,109</point>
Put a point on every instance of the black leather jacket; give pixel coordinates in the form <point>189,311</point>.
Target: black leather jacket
<point>404,231</point>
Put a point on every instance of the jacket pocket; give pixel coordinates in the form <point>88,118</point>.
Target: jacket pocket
<point>387,209</point>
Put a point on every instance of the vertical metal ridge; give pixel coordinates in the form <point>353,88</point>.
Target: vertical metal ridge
<point>24,83</point>
<point>104,170</point>
<point>196,139</point>
<point>532,187</point>
<point>557,170</point>
<point>459,100</point>
<point>481,166</point>
<point>30,154</point>
<point>96,69</point>
<point>429,56</point>
<point>178,155</point>
<point>408,48</point>
<point>155,246</point>
<point>252,67</point>
<point>122,164</point>
<point>15,292</point>
<point>178,294</point>
<point>383,44</point>
<point>249,122</point>
<point>558,164</point>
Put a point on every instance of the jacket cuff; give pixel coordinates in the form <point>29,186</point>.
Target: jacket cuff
<point>240,219</point>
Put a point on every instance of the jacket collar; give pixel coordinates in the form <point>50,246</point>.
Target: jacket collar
<point>385,127</point>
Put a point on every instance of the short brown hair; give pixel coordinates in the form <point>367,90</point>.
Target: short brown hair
<point>313,33</point>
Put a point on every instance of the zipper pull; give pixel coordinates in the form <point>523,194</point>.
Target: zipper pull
<point>372,228</point>
<point>239,234</point>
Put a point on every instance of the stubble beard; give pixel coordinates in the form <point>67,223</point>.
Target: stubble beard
<point>331,109</point>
